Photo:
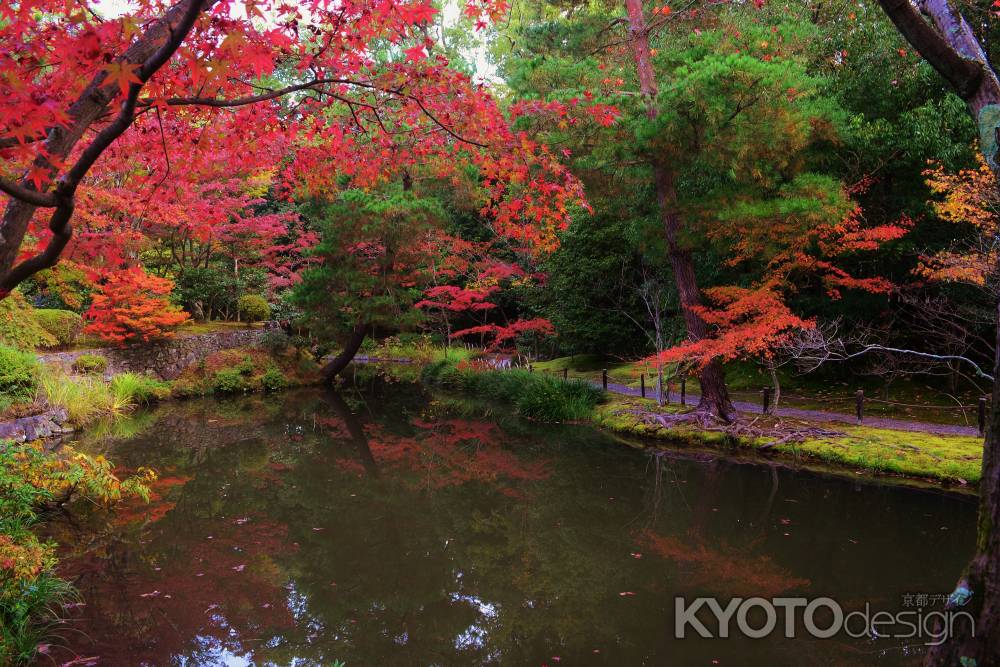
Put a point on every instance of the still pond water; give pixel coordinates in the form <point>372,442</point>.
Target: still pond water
<point>384,527</point>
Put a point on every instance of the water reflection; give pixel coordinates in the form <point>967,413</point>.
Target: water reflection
<point>384,528</point>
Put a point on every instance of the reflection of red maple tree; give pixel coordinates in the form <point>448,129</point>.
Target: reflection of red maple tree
<point>448,453</point>
<point>734,572</point>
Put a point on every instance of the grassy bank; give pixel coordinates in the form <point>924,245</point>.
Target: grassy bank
<point>944,459</point>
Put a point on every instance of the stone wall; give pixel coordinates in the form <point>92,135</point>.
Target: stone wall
<point>49,424</point>
<point>165,359</point>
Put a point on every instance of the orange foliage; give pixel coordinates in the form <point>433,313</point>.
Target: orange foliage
<point>752,322</point>
<point>133,306</point>
<point>967,198</point>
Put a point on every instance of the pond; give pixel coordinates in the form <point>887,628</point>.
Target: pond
<point>391,527</point>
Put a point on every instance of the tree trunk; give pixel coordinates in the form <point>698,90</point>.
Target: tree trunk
<point>949,44</point>
<point>714,395</point>
<point>978,590</point>
<point>351,347</point>
<point>92,104</point>
<point>775,385</point>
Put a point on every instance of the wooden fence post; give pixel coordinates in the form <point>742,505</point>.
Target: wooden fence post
<point>982,416</point>
<point>565,374</point>
<point>766,400</point>
<point>642,384</point>
<point>604,379</point>
<point>859,399</point>
<point>683,391</point>
<point>531,369</point>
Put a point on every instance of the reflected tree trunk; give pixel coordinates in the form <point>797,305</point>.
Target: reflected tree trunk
<point>357,431</point>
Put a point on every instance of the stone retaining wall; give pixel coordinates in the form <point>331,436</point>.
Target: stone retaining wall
<point>36,427</point>
<point>166,359</point>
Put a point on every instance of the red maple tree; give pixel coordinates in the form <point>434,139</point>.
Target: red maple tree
<point>163,120</point>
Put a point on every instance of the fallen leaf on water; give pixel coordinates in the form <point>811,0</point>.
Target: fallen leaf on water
<point>150,595</point>
<point>239,568</point>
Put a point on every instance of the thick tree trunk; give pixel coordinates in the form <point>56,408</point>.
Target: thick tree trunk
<point>949,44</point>
<point>351,347</point>
<point>714,395</point>
<point>978,590</point>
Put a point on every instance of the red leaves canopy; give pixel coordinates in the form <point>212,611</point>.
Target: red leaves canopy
<point>257,94</point>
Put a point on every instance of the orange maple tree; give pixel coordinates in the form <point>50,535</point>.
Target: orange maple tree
<point>132,305</point>
<point>753,322</point>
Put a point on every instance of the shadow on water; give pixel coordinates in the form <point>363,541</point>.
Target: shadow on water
<point>389,527</point>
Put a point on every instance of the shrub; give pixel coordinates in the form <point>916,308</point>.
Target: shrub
<point>138,389</point>
<point>186,387</point>
<point>18,376</point>
<point>253,308</point>
<point>63,325</point>
<point>274,341</point>
<point>533,395</point>
<point>19,327</point>
<point>229,381</point>
<point>246,366</point>
<point>134,306</point>
<point>90,364</point>
<point>273,379</point>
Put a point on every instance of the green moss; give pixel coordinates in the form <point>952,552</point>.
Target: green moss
<point>945,458</point>
<point>941,458</point>
<point>90,364</point>
<point>19,327</point>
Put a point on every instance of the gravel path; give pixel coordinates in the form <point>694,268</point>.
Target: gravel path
<point>813,415</point>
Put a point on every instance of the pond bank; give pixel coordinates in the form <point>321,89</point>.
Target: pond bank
<point>949,461</point>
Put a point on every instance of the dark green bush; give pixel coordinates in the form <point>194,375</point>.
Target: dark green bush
<point>63,325</point>
<point>253,308</point>
<point>273,379</point>
<point>274,341</point>
<point>90,364</point>
<point>18,325</point>
<point>18,376</point>
<point>533,395</point>
<point>229,381</point>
